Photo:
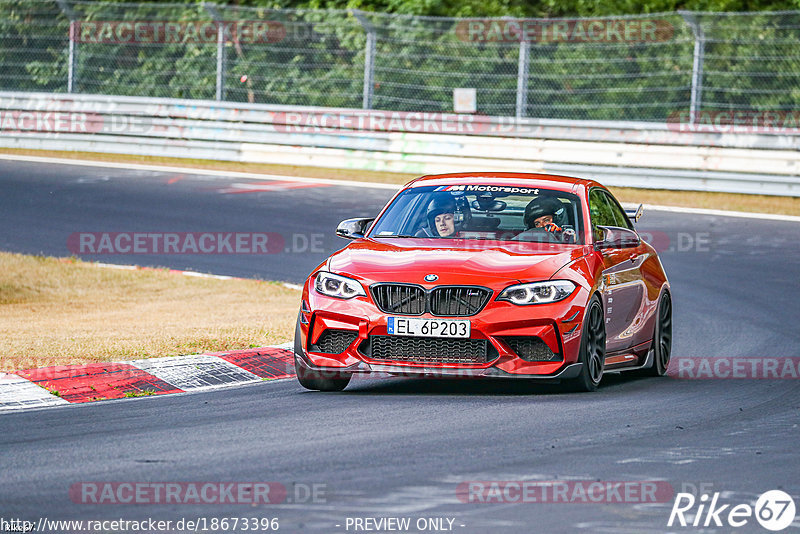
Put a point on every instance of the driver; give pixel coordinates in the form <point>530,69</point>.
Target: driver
<point>544,213</point>
<point>441,216</point>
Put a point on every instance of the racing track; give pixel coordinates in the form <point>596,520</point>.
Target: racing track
<point>400,447</point>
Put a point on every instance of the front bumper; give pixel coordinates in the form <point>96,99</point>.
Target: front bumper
<point>567,371</point>
<point>557,324</point>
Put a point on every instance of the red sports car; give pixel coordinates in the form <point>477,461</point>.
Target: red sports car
<point>488,275</point>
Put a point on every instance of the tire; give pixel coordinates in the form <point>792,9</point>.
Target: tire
<point>321,381</point>
<point>593,349</point>
<point>662,339</point>
<point>316,380</point>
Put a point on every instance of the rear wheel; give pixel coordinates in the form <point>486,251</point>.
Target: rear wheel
<point>662,339</point>
<point>593,349</point>
<point>316,380</point>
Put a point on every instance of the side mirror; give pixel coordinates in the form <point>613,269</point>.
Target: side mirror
<point>635,214</point>
<point>615,237</point>
<point>353,228</point>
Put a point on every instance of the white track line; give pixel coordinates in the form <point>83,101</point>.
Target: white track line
<point>347,183</point>
<point>186,273</point>
<point>202,172</point>
<point>296,287</point>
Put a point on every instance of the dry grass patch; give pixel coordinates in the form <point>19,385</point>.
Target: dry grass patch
<point>689,199</point>
<point>715,201</point>
<point>56,312</point>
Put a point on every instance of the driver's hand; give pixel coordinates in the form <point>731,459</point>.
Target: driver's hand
<point>553,227</point>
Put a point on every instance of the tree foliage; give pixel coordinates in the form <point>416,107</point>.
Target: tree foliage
<point>751,60</point>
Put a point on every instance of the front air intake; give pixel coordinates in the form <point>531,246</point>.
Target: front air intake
<point>333,341</point>
<point>531,349</point>
<point>428,349</point>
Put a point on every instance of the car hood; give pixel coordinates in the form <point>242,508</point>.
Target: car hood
<point>455,262</point>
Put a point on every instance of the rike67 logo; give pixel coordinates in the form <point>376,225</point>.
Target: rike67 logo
<point>774,510</point>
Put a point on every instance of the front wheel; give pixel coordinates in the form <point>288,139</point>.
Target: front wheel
<point>321,381</point>
<point>316,380</point>
<point>593,349</point>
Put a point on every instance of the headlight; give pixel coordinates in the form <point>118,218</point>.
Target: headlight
<point>337,286</point>
<point>538,292</point>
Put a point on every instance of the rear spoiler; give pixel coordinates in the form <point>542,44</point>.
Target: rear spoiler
<point>635,213</point>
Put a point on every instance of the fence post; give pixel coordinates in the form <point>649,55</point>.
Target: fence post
<point>73,44</point>
<point>698,56</point>
<point>219,94</point>
<point>369,58</point>
<point>522,79</point>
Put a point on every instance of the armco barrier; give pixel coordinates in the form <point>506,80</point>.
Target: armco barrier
<point>649,155</point>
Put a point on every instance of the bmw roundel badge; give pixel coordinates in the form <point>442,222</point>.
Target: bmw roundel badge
<point>431,278</point>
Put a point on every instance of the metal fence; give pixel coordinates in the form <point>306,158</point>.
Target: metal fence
<point>630,154</point>
<point>636,68</point>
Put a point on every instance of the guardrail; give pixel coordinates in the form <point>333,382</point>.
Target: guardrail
<point>631,154</point>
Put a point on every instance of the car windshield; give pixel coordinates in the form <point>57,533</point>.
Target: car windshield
<point>481,211</point>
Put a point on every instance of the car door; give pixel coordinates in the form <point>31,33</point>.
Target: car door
<point>624,289</point>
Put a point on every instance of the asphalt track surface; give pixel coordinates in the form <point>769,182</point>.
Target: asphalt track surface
<point>401,447</point>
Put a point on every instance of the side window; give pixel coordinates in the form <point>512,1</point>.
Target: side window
<point>619,214</point>
<point>600,210</point>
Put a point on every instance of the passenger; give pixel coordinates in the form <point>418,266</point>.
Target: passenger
<point>544,213</point>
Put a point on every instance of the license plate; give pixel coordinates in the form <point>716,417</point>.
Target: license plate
<point>405,326</point>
